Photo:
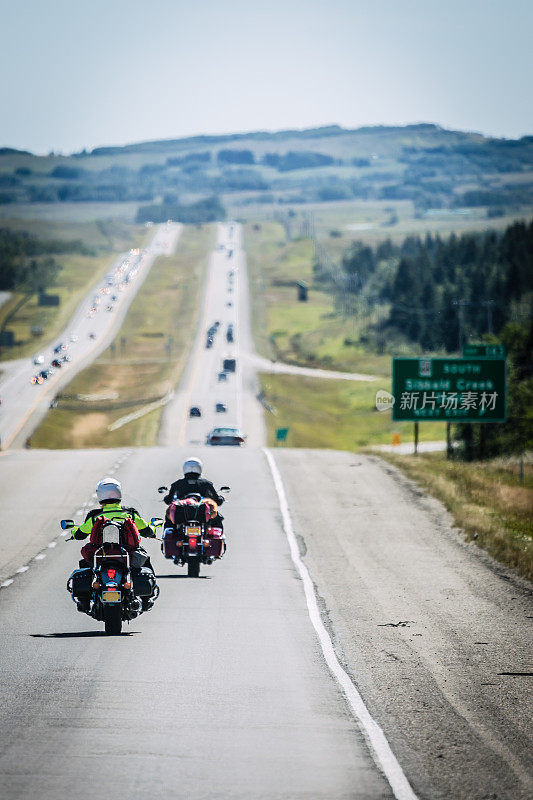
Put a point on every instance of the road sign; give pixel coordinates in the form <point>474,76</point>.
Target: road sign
<point>450,389</point>
<point>281,434</point>
<point>484,351</point>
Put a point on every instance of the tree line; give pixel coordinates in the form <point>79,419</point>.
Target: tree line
<point>27,264</point>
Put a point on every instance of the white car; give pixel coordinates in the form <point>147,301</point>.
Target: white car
<point>38,359</point>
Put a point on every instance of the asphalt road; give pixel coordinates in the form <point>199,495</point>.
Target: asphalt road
<point>226,689</point>
<point>92,327</point>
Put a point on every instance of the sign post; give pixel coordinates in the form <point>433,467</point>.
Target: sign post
<point>281,434</point>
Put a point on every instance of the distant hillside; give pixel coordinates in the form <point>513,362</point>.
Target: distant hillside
<point>424,164</point>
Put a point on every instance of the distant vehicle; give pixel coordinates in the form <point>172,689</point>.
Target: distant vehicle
<point>229,333</point>
<point>230,253</point>
<point>60,347</point>
<point>216,323</point>
<point>114,297</point>
<point>110,308</point>
<point>57,363</point>
<point>45,373</point>
<point>229,365</point>
<point>220,408</point>
<point>209,342</point>
<point>92,335</point>
<point>222,376</point>
<point>194,411</point>
<point>74,337</point>
<point>66,358</point>
<point>229,305</point>
<point>38,360</point>
<point>225,436</point>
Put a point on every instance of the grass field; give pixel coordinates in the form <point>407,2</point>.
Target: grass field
<point>487,499</point>
<point>157,331</point>
<point>78,273</point>
<point>336,414</point>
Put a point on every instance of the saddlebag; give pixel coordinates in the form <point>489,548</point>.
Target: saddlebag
<point>143,582</point>
<point>79,583</point>
<point>170,544</point>
<point>217,542</point>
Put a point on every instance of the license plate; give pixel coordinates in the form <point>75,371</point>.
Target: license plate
<point>111,597</point>
<point>193,530</point>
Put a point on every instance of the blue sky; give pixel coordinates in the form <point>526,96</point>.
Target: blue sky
<point>83,73</point>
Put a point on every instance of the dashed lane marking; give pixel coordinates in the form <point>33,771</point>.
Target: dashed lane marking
<point>52,544</point>
<point>40,557</point>
<point>20,570</point>
<point>378,744</point>
<point>6,583</point>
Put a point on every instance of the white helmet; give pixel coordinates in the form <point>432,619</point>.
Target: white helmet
<point>192,465</point>
<point>109,489</point>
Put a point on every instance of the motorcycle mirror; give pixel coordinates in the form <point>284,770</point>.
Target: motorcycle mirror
<point>156,522</point>
<point>225,489</point>
<point>162,489</point>
<point>66,524</point>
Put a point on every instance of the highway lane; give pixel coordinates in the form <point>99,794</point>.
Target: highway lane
<point>24,404</point>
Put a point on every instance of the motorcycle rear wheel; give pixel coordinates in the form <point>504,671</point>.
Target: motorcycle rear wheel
<point>113,620</point>
<point>193,567</point>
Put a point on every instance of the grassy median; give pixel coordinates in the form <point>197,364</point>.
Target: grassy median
<point>143,363</point>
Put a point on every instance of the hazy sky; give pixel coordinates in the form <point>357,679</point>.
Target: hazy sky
<point>82,73</point>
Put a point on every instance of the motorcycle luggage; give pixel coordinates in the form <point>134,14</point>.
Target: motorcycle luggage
<point>143,582</point>
<point>170,543</point>
<point>217,543</point>
<point>80,582</point>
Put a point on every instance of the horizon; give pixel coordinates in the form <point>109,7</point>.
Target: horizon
<point>267,132</point>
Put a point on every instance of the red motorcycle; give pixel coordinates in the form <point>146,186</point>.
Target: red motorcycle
<point>190,537</point>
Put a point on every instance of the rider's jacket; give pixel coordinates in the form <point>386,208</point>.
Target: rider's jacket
<point>191,484</point>
<point>112,511</point>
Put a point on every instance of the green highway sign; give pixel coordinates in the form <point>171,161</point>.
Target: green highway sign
<point>484,351</point>
<point>449,389</point>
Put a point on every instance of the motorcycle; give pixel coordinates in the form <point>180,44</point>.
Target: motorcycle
<point>109,591</point>
<point>188,538</point>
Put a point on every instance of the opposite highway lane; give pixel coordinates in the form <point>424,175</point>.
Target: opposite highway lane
<point>93,331</point>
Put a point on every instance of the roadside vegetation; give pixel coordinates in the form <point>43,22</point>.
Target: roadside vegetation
<point>489,501</point>
<point>59,259</point>
<point>142,365</point>
<point>335,414</point>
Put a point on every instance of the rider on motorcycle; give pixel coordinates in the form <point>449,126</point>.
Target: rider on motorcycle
<point>193,483</point>
<point>109,494</point>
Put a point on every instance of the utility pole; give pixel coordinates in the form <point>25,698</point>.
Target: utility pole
<point>488,305</point>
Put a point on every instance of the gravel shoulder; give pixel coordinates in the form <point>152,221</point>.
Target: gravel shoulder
<point>426,624</point>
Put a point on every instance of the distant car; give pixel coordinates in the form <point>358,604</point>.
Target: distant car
<point>74,337</point>
<point>66,358</point>
<point>45,373</point>
<point>194,411</point>
<point>92,335</point>
<point>60,347</point>
<point>229,305</point>
<point>220,408</point>
<point>110,308</point>
<point>57,363</point>
<point>222,376</point>
<point>38,360</point>
<point>225,436</point>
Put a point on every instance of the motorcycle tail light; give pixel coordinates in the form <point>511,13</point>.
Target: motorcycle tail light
<point>127,584</point>
<point>96,584</point>
<point>111,573</point>
<point>192,543</point>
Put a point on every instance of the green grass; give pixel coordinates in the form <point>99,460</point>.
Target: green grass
<point>487,500</point>
<point>334,414</point>
<point>167,305</point>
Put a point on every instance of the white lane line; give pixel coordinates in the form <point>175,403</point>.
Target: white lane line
<point>379,746</point>
<point>52,544</point>
<point>22,569</point>
<point>40,557</point>
<point>6,583</point>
